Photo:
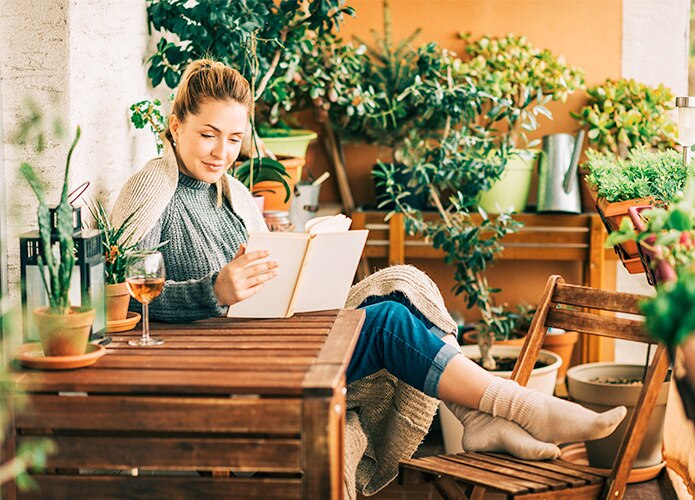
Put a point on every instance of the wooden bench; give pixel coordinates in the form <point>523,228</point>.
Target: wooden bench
<point>259,396</point>
<point>572,308</point>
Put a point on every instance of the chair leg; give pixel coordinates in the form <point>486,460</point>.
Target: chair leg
<point>449,489</point>
<point>634,434</point>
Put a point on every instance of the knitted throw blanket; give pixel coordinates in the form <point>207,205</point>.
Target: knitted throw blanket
<point>386,418</point>
<point>149,191</point>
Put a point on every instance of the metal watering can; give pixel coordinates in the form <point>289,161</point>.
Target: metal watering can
<point>558,183</point>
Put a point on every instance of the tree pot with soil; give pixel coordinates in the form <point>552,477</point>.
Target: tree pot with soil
<point>543,378</point>
<point>602,386</point>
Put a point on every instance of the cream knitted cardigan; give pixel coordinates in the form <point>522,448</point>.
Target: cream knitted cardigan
<point>149,191</point>
<point>386,419</point>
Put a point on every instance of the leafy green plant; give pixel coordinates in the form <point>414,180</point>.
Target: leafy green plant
<point>522,76</point>
<point>148,114</point>
<point>624,114</point>
<point>116,242</point>
<point>670,315</point>
<point>57,258</point>
<point>643,174</point>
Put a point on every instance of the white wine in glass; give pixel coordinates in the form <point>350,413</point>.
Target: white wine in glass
<point>145,277</point>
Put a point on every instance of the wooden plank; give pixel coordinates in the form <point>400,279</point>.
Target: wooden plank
<point>589,492</point>
<point>51,487</point>
<point>315,452</point>
<point>507,470</point>
<point>592,298</point>
<point>439,466</point>
<point>279,335</point>
<point>341,341</point>
<point>396,239</point>
<point>231,354</point>
<point>637,426</point>
<point>554,481</point>
<point>449,489</point>
<point>530,466</point>
<point>179,453</point>
<point>127,413</point>
<point>212,362</point>
<point>560,466</point>
<point>595,324</point>
<point>219,343</point>
<point>163,382</point>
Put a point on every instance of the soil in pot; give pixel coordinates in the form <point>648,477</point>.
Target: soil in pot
<point>505,364</point>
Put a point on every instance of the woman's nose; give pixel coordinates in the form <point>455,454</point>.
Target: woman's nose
<point>219,150</point>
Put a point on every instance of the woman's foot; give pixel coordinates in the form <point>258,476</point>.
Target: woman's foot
<point>483,432</point>
<point>547,418</point>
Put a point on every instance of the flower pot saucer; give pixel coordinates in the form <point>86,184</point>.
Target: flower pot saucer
<point>123,325</point>
<point>576,453</point>
<point>31,356</point>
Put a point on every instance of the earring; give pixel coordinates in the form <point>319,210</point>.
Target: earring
<point>173,143</point>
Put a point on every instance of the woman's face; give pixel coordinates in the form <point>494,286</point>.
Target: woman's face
<point>207,143</point>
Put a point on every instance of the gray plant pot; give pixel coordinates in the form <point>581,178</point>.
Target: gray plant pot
<point>602,396</point>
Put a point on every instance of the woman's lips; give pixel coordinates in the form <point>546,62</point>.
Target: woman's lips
<point>214,166</point>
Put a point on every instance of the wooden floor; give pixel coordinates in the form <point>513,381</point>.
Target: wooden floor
<point>433,445</point>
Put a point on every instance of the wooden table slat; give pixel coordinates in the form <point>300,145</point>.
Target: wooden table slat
<point>123,452</point>
<point>155,488</point>
<point>212,362</point>
<point>163,414</point>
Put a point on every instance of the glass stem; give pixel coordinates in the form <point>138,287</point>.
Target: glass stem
<point>145,322</point>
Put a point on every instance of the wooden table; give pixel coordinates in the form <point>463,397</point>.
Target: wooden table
<point>261,396</point>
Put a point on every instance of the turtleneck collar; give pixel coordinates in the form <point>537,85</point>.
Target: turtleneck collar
<point>192,183</point>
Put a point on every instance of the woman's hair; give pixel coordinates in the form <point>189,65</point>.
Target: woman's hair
<point>208,79</point>
<point>205,79</point>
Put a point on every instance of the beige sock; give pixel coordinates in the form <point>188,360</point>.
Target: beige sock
<point>483,432</point>
<point>547,418</point>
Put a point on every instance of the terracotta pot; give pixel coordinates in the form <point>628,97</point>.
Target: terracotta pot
<point>588,202</point>
<point>585,390</point>
<point>561,344</point>
<point>612,214</point>
<point>64,334</point>
<point>117,300</point>
<point>471,337</point>
<point>274,192</point>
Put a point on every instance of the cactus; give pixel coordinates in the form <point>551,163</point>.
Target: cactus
<point>57,258</point>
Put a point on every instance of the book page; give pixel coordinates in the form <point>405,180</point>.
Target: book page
<point>330,270</point>
<point>328,224</point>
<point>273,300</point>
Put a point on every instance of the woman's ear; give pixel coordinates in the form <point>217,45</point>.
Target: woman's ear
<point>174,126</point>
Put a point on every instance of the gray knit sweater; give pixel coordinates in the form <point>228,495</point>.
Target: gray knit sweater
<point>201,238</point>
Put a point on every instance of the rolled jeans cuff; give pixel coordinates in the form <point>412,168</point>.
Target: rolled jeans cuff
<point>445,354</point>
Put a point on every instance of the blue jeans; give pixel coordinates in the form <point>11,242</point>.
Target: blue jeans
<point>397,337</point>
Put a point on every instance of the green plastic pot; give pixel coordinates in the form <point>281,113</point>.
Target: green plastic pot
<point>293,142</point>
<point>510,192</point>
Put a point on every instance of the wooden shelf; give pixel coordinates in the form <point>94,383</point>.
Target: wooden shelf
<point>544,237</point>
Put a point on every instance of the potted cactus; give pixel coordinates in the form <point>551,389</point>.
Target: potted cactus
<point>63,329</point>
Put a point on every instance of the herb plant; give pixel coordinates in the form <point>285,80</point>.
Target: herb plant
<point>643,174</point>
<point>624,114</point>
<point>148,114</point>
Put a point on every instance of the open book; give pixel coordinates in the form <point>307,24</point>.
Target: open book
<point>315,270</point>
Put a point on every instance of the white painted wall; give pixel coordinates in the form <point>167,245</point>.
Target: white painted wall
<point>85,58</point>
<point>654,51</point>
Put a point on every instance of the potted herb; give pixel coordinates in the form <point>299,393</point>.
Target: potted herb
<point>643,178</point>
<point>117,242</point>
<point>63,329</point>
<point>525,78</point>
<point>512,326</point>
<point>624,114</point>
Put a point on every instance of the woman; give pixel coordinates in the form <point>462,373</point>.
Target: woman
<point>186,198</point>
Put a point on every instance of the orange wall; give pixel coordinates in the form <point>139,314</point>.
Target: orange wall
<point>586,32</point>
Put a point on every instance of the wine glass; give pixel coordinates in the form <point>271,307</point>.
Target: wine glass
<point>144,276</point>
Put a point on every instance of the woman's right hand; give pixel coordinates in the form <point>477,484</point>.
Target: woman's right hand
<point>238,280</point>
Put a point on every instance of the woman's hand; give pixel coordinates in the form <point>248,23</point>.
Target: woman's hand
<point>238,281</point>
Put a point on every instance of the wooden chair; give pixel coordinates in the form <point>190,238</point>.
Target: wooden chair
<point>469,475</point>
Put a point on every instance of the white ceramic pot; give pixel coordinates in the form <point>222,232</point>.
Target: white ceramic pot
<point>585,390</point>
<point>542,379</point>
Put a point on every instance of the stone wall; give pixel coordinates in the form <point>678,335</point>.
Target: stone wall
<point>85,59</point>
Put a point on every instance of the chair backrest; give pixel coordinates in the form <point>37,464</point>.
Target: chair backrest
<point>592,311</point>
<point>580,309</point>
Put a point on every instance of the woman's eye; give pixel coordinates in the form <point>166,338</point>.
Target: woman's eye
<point>234,140</point>
<point>208,136</point>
